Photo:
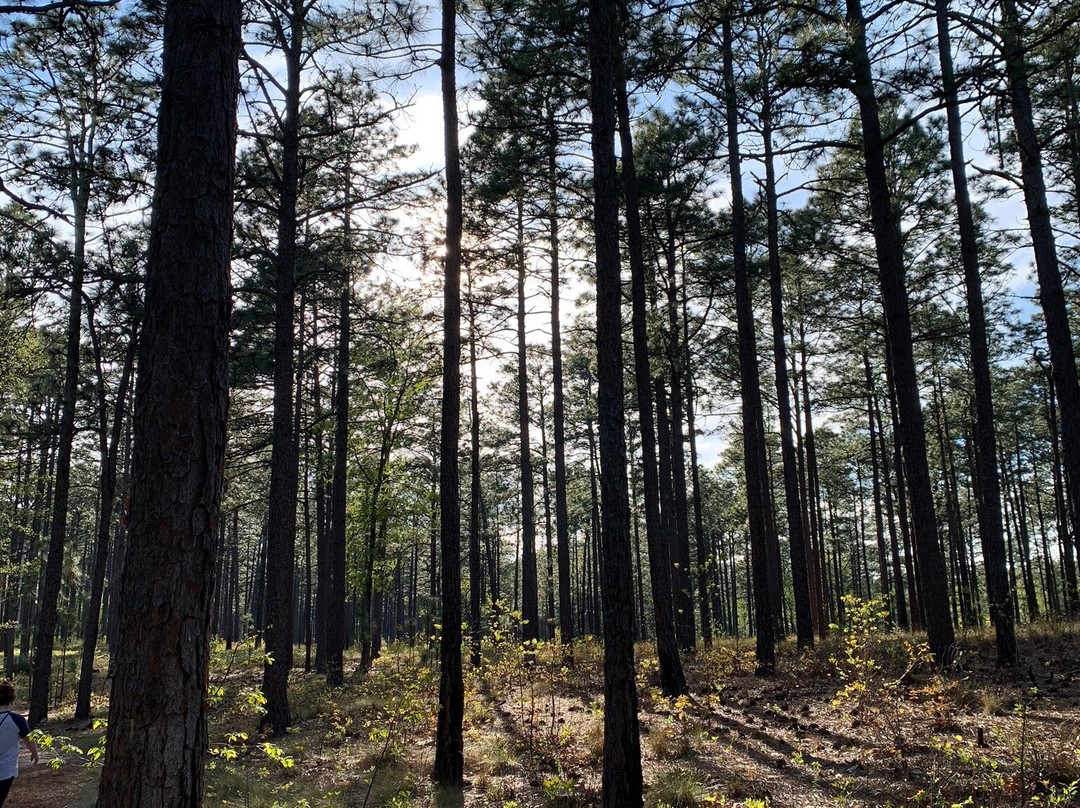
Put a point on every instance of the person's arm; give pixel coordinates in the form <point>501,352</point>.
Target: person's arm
<point>28,742</point>
<point>24,736</point>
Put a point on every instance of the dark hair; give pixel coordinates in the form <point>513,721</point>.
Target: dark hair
<point>7,692</point>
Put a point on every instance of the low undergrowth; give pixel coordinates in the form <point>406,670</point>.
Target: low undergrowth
<point>865,719</point>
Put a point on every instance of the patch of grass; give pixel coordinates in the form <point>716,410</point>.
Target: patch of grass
<point>498,757</point>
<point>390,784</point>
<point>669,741</point>
<point>675,788</point>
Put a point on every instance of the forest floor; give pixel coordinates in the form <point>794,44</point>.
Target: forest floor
<point>863,720</point>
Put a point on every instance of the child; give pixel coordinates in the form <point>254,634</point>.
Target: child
<point>13,729</point>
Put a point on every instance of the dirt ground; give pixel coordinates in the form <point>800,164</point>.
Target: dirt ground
<point>863,726</point>
<point>42,786</point>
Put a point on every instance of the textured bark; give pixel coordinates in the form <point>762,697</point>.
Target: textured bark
<point>890,256</point>
<point>157,711</point>
<point>672,678</point>
<point>284,466</point>
<point>449,742</point>
<point>621,785</point>
<point>758,495</point>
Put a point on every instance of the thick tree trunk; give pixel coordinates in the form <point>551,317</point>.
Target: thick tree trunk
<point>890,255</point>
<point>449,742</point>
<point>622,785</point>
<point>157,712</point>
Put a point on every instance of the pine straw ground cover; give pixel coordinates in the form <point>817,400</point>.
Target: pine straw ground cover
<point>863,720</point>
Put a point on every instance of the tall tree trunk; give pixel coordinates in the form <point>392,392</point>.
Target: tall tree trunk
<point>1051,292</point>
<point>758,495</point>
<point>890,255</point>
<point>449,742</point>
<point>672,678</point>
<point>157,734</point>
<point>284,465</point>
<point>530,596</point>
<point>622,785</point>
<point>988,489</point>
<point>797,540</point>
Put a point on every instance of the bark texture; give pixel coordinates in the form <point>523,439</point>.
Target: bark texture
<point>449,743</point>
<point>622,785</point>
<point>157,717</point>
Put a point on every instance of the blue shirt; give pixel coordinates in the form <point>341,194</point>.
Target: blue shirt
<point>12,727</point>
